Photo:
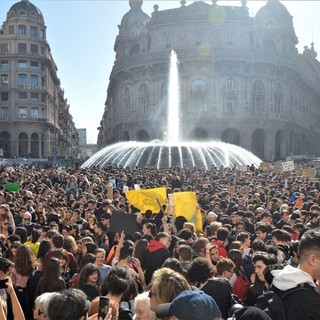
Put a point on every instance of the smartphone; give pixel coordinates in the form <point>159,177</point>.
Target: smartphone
<point>103,307</point>
<point>3,284</point>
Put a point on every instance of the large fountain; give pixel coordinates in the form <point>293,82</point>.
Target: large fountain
<point>173,151</point>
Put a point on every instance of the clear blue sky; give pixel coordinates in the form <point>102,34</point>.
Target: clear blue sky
<point>81,35</point>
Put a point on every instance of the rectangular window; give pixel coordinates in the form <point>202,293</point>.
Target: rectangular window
<point>4,96</point>
<point>22,48</point>
<point>34,80</point>
<point>34,48</point>
<point>34,65</point>
<point>43,98</point>
<point>43,34</point>
<point>4,48</point>
<point>34,31</point>
<point>22,80</point>
<point>22,96</point>
<point>43,82</point>
<point>229,38</point>
<point>11,29</point>
<point>4,112</point>
<point>22,64</point>
<point>4,80</point>
<point>35,96</point>
<point>22,112</point>
<point>168,42</point>
<point>4,65</point>
<point>198,39</point>
<point>42,50</point>
<point>22,29</point>
<point>34,112</point>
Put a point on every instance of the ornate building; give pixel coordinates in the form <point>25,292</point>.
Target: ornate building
<point>34,114</point>
<point>242,79</point>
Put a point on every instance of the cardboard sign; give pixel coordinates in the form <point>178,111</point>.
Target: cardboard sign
<point>307,172</point>
<point>288,166</point>
<point>232,190</point>
<point>121,221</point>
<point>264,166</point>
<point>243,168</point>
<point>110,191</point>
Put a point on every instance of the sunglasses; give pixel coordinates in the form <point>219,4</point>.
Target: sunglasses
<point>26,218</point>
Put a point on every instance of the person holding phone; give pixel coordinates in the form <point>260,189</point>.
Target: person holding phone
<point>72,304</point>
<point>6,269</point>
<point>113,288</point>
<point>17,311</point>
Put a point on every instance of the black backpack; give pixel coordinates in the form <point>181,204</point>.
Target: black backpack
<point>278,308</point>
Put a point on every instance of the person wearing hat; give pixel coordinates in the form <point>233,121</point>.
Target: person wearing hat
<point>249,313</point>
<point>190,305</point>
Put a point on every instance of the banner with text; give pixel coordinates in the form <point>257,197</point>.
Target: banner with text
<point>185,204</point>
<point>147,199</point>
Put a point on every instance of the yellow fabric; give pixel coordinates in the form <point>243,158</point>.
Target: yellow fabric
<point>34,246</point>
<point>185,204</point>
<point>147,199</point>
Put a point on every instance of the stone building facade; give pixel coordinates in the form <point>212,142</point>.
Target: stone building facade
<point>34,114</point>
<point>242,79</point>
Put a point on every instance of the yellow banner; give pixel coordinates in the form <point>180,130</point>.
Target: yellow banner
<point>146,199</point>
<point>185,204</point>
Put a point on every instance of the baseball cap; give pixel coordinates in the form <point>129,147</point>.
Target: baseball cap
<point>191,305</point>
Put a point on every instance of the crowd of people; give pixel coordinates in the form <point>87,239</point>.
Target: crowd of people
<point>259,244</point>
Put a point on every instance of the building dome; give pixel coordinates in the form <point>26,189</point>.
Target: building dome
<point>27,9</point>
<point>135,15</point>
<point>275,9</point>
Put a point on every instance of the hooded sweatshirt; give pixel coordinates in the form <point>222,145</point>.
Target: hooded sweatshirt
<point>301,304</point>
<point>156,255</point>
<point>155,245</point>
<point>290,277</point>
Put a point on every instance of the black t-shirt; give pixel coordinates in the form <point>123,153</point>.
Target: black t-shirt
<point>220,290</point>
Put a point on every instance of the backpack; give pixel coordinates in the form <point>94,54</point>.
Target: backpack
<point>277,308</point>
<point>241,286</point>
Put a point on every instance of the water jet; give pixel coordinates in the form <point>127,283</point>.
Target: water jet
<point>173,151</point>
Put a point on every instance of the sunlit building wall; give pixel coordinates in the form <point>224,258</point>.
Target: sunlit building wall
<point>242,79</point>
<point>35,120</point>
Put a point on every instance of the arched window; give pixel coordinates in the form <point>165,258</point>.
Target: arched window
<point>278,99</point>
<point>136,32</point>
<point>230,95</point>
<point>127,102</point>
<point>258,96</point>
<point>199,90</point>
<point>143,98</point>
<point>269,25</point>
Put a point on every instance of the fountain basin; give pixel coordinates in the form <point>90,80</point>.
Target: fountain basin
<point>164,155</point>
